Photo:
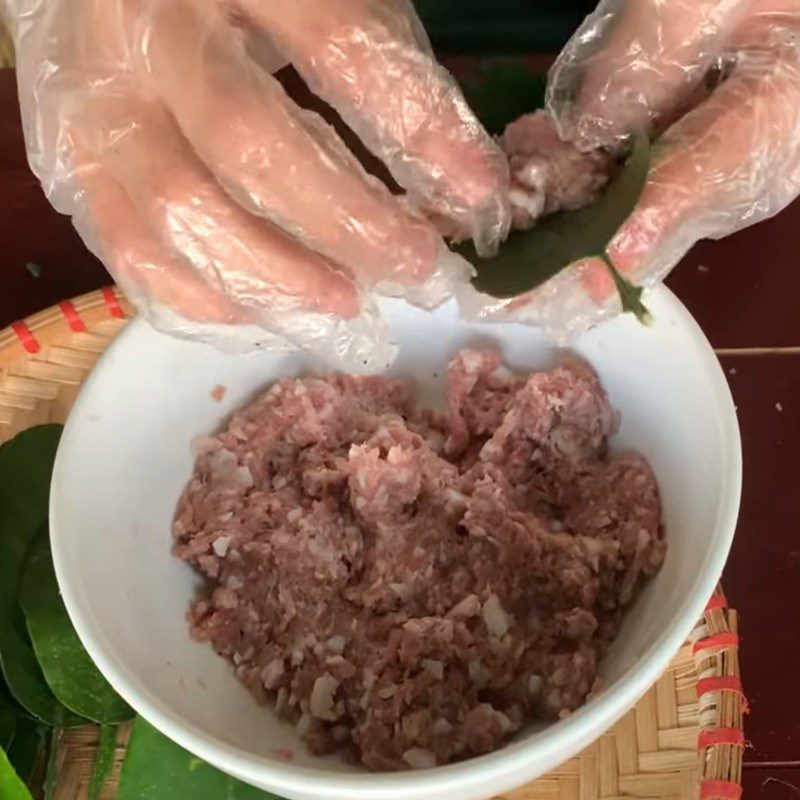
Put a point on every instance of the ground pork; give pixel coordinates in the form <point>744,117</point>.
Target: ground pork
<point>411,589</point>
<point>547,173</point>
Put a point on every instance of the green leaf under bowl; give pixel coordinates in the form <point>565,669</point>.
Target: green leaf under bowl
<point>70,673</point>
<point>103,762</point>
<point>26,464</point>
<point>10,713</point>
<point>11,785</point>
<point>156,768</point>
<point>28,750</point>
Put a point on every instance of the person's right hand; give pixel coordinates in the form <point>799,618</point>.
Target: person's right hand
<point>213,198</point>
<point>719,80</point>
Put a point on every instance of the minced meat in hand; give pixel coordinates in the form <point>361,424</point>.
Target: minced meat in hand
<point>548,174</point>
<point>409,588</point>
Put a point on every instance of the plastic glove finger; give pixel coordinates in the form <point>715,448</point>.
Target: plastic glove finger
<point>264,51</point>
<point>563,306</point>
<point>62,50</point>
<point>278,160</point>
<point>185,208</point>
<point>631,62</point>
<point>141,266</point>
<point>103,213</point>
<point>731,162</point>
<point>177,301</point>
<point>365,59</point>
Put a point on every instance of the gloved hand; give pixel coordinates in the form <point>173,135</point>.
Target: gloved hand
<point>720,79</point>
<point>223,209</point>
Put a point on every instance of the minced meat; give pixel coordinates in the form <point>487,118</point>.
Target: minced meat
<point>548,174</point>
<point>411,588</point>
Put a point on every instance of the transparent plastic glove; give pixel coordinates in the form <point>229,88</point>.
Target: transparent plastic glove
<point>225,211</point>
<point>721,79</point>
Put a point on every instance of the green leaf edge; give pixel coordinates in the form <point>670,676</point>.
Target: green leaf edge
<point>630,294</point>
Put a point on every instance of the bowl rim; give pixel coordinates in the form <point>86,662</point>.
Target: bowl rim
<point>502,769</point>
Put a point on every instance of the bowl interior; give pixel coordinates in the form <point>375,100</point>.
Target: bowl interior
<point>125,457</point>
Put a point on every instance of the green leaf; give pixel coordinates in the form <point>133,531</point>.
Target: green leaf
<point>22,671</point>
<point>529,258</point>
<point>8,724</point>
<point>103,761</point>
<point>156,768</point>
<point>51,772</point>
<point>70,673</point>
<point>7,700</point>
<point>11,785</point>
<point>9,713</point>
<point>502,89</point>
<point>27,751</point>
<point>630,295</point>
<point>26,464</point>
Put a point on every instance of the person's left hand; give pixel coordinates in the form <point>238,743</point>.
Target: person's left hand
<point>225,211</point>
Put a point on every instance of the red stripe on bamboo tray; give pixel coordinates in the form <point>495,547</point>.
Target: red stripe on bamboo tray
<point>28,340</point>
<point>716,640</point>
<point>110,298</point>
<point>722,683</point>
<point>728,790</point>
<point>72,316</point>
<point>717,601</point>
<point>718,736</point>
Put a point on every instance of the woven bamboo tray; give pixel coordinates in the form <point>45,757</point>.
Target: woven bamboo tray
<point>683,740</point>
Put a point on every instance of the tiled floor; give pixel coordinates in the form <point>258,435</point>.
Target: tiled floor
<point>745,292</point>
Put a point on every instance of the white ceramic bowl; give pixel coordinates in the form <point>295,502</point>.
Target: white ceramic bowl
<point>125,456</point>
